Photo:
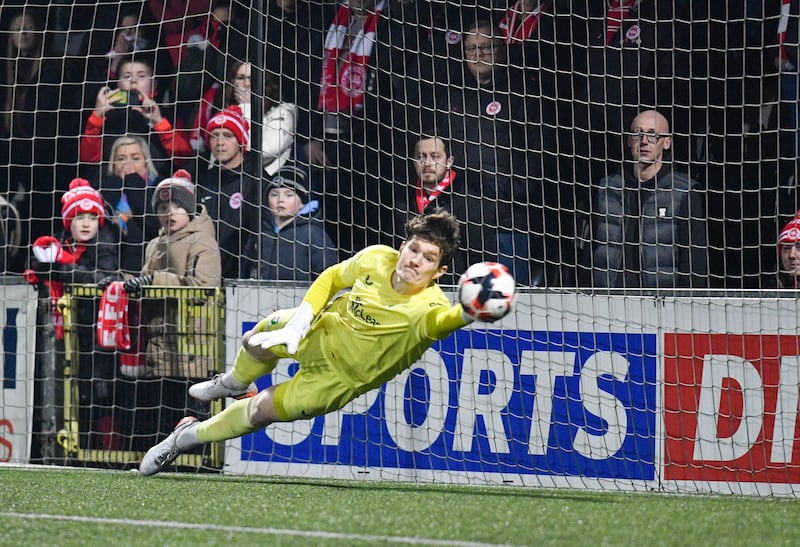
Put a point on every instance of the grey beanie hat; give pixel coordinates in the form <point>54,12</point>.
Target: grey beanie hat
<point>178,189</point>
<point>292,176</point>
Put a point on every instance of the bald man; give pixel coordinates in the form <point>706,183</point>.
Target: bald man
<point>649,226</point>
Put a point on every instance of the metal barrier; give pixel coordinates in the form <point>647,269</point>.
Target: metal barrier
<point>180,335</point>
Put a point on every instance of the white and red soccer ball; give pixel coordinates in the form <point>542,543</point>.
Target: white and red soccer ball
<point>487,291</point>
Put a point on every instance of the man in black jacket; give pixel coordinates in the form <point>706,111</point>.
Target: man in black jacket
<point>491,120</point>
<point>230,190</point>
<point>649,221</point>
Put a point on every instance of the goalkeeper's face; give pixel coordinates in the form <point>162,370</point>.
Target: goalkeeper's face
<point>417,266</point>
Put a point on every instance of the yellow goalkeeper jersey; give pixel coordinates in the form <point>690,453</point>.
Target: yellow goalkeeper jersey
<point>371,333</point>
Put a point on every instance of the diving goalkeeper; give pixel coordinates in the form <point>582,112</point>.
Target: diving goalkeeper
<point>391,315</point>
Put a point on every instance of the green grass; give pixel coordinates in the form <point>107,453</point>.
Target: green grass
<point>57,506</point>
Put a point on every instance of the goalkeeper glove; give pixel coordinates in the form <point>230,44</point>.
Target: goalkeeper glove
<point>291,334</point>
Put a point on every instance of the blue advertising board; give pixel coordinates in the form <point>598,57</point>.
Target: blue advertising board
<point>497,401</point>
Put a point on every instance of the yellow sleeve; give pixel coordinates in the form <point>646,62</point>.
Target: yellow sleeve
<point>444,320</point>
<point>329,282</point>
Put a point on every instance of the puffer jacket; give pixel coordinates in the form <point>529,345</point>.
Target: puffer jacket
<point>299,251</point>
<point>649,234</point>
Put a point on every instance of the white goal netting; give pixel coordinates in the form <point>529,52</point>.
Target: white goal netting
<point>633,162</point>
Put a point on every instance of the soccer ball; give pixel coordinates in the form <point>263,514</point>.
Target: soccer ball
<point>487,291</point>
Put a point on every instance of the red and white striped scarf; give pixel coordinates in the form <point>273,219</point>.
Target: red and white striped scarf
<point>424,199</point>
<point>112,318</point>
<point>783,24</point>
<point>515,32</point>
<point>343,85</point>
<point>615,15</point>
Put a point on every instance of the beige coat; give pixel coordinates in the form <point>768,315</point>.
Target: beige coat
<point>181,340</point>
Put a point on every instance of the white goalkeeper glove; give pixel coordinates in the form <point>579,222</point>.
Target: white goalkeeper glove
<point>291,334</point>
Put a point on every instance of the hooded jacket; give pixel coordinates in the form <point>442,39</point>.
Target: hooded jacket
<point>189,257</point>
<point>299,251</point>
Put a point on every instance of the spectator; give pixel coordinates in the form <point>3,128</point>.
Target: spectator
<point>358,117</point>
<point>293,30</point>
<point>789,253</point>
<point>519,26</point>
<point>649,219</point>
<point>279,119</point>
<point>231,189</point>
<point>127,185</point>
<point>184,254</point>
<point>293,243</point>
<point>202,64</point>
<point>132,109</point>
<point>494,133</point>
<point>437,186</point>
<point>32,110</point>
<point>10,233</point>
<point>85,252</point>
<point>129,37</point>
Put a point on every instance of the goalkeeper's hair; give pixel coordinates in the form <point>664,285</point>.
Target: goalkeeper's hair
<point>438,227</point>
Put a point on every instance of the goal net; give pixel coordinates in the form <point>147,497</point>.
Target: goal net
<point>633,163</point>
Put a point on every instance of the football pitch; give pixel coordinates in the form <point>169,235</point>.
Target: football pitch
<point>58,506</point>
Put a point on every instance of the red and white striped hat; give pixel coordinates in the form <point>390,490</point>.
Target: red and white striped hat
<point>791,232</point>
<point>232,119</point>
<point>81,198</point>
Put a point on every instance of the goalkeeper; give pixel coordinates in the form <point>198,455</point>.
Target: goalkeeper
<point>392,314</point>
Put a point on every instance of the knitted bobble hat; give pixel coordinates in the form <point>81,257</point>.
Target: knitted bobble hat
<point>232,119</point>
<point>178,189</point>
<point>791,232</point>
<point>81,198</point>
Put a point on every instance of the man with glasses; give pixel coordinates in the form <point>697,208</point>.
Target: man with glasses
<point>491,120</point>
<point>649,220</point>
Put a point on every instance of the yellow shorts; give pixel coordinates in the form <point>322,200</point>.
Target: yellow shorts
<point>318,387</point>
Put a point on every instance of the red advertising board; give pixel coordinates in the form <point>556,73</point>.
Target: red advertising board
<point>730,407</point>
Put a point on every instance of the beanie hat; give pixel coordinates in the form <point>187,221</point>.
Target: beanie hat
<point>81,198</point>
<point>232,119</point>
<point>791,232</point>
<point>178,189</point>
<point>294,177</point>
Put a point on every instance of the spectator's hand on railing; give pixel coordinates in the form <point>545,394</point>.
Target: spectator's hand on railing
<point>135,284</point>
<point>108,280</point>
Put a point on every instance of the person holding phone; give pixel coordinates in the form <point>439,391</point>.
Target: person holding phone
<point>131,108</point>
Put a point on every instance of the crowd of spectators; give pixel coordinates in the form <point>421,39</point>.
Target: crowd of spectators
<point>526,114</point>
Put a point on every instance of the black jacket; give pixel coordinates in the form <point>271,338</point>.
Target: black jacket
<point>299,251</point>
<point>650,234</point>
<point>494,139</point>
<point>231,197</point>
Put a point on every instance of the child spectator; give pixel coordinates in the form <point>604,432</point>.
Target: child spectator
<point>131,109</point>
<point>85,252</point>
<point>185,254</point>
<point>293,243</point>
